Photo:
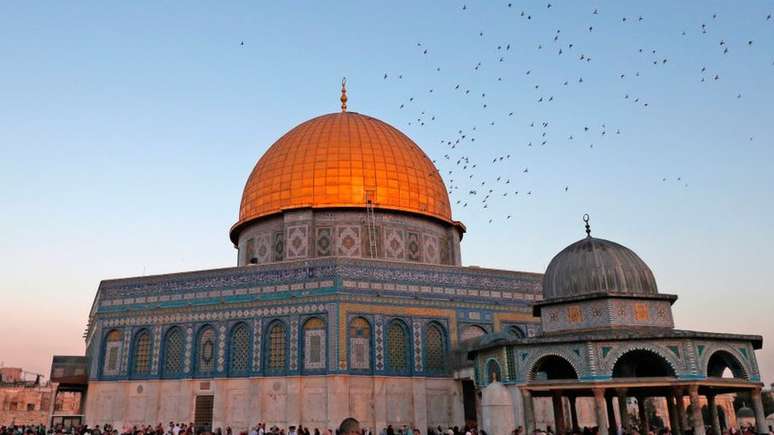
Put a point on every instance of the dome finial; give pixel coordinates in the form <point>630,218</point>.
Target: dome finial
<point>344,94</point>
<point>588,227</point>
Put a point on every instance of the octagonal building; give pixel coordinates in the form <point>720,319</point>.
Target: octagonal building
<point>348,299</point>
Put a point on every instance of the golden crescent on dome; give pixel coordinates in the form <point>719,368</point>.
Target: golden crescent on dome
<point>343,94</point>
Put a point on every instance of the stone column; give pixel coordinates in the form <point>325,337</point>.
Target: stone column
<point>760,417</point>
<point>674,419</point>
<point>529,412</point>
<point>600,406</point>
<point>696,418</point>
<point>714,416</point>
<point>559,425</point>
<point>642,413</point>
<point>612,425</point>
<point>573,413</point>
<point>623,411</point>
<point>680,405</point>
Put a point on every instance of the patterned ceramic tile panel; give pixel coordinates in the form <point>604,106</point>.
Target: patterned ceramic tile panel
<point>250,251</point>
<point>324,241</point>
<point>156,349</point>
<point>221,347</point>
<point>348,242</point>
<point>263,248</point>
<point>278,247</point>
<point>430,248</point>
<point>394,245</point>
<point>414,247</point>
<point>127,341</point>
<point>360,356</point>
<point>314,349</point>
<point>445,253</point>
<point>257,328</point>
<point>379,342</point>
<point>293,344</point>
<point>417,331</point>
<point>297,241</point>
<point>188,349</point>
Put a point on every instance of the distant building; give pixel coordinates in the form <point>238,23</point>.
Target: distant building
<point>26,401</point>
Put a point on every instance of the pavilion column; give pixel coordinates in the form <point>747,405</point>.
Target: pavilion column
<point>623,410</point>
<point>642,414</point>
<point>560,426</point>
<point>714,416</point>
<point>674,419</point>
<point>760,416</point>
<point>696,417</point>
<point>680,404</point>
<point>573,413</point>
<point>600,406</point>
<point>529,412</point>
<point>613,426</point>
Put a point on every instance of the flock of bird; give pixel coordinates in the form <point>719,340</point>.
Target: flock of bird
<point>475,181</point>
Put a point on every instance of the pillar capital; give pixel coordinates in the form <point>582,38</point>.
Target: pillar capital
<point>693,389</point>
<point>599,392</point>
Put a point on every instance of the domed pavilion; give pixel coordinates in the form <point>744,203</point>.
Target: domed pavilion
<point>607,345</point>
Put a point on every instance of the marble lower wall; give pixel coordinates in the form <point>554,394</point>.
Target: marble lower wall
<point>313,401</point>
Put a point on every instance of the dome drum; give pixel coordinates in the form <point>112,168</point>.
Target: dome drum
<point>306,233</point>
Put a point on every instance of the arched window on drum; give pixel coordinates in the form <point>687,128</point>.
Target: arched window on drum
<point>173,352</point>
<point>314,344</point>
<point>398,347</point>
<point>435,348</point>
<point>112,353</point>
<point>276,355</point>
<point>141,362</point>
<point>205,351</point>
<point>360,344</point>
<point>239,350</point>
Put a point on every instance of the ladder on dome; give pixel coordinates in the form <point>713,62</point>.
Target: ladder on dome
<point>371,222</point>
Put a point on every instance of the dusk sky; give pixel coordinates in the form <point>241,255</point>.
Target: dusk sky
<point>128,130</point>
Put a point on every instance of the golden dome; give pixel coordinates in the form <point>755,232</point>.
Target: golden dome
<point>334,160</point>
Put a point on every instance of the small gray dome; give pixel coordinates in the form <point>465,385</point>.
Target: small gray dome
<point>595,265</point>
<point>745,412</point>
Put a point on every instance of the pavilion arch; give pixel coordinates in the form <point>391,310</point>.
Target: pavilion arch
<point>550,367</point>
<point>722,359</point>
<point>662,351</point>
<point>642,363</point>
<point>471,331</point>
<point>515,331</point>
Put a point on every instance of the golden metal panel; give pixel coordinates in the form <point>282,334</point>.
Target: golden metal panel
<point>330,160</point>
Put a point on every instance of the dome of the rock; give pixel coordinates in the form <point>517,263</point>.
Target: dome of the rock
<point>341,160</point>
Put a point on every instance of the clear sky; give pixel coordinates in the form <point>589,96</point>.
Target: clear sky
<point>127,131</point>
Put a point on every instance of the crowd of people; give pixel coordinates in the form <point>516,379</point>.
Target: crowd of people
<point>349,426</point>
